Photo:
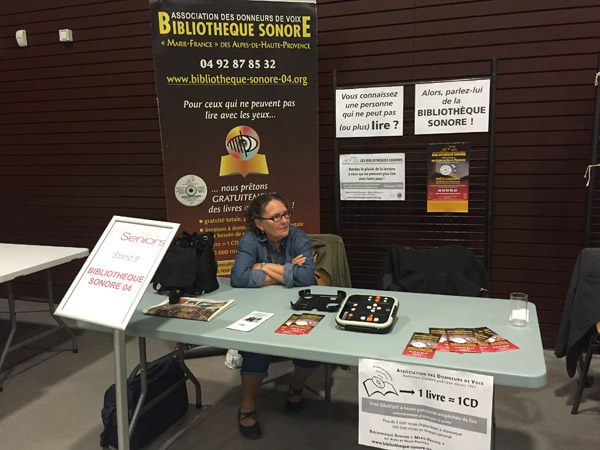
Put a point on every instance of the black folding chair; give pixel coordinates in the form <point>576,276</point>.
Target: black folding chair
<point>584,366</point>
<point>447,270</point>
<point>579,332</point>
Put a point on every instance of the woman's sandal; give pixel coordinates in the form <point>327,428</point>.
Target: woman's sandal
<point>294,406</point>
<point>249,431</point>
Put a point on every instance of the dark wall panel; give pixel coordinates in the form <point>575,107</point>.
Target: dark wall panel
<point>547,54</point>
<point>80,141</point>
<point>79,132</point>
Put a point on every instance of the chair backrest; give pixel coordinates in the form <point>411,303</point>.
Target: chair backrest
<point>449,270</point>
<point>330,259</point>
<point>581,311</point>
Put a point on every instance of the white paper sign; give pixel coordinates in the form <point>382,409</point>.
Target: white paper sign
<point>114,277</point>
<point>251,321</point>
<point>419,407</point>
<point>377,176</point>
<point>452,107</point>
<point>366,112</point>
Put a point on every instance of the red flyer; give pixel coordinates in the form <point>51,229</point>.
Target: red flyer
<point>299,324</point>
<point>443,342</point>
<point>489,341</point>
<point>462,340</point>
<point>421,345</point>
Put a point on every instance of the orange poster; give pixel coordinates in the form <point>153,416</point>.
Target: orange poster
<point>448,178</point>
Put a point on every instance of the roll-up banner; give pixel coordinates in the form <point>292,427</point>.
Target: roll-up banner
<point>237,96</point>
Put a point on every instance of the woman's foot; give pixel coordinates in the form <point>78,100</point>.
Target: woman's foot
<point>294,400</point>
<point>248,423</point>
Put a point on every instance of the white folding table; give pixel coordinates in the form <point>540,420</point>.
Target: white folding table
<point>17,260</point>
<point>328,343</point>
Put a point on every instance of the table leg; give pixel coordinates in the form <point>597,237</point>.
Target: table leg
<point>328,373</point>
<point>13,329</point>
<point>493,437</point>
<point>190,376</point>
<point>8,347</point>
<point>121,389</point>
<point>143,369</point>
<point>60,322</point>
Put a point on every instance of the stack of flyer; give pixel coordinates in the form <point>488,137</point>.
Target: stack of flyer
<point>458,340</point>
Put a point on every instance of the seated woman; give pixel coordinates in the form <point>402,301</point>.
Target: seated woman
<point>272,252</point>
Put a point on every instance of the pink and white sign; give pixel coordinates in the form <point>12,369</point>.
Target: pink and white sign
<point>113,279</point>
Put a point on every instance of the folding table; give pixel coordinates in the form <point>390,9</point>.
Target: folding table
<point>328,343</point>
<point>17,260</point>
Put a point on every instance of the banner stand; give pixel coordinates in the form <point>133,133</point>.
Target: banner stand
<point>336,167</point>
<point>121,389</point>
<point>490,167</point>
<point>593,161</point>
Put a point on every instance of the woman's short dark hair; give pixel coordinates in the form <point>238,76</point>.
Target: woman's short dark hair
<point>256,208</point>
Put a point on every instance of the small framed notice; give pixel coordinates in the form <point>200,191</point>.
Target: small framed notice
<point>375,176</point>
<point>113,279</point>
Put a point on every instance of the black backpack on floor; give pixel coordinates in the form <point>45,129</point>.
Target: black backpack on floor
<point>152,422</point>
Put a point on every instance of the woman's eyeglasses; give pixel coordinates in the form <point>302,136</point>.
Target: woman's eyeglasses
<point>277,217</point>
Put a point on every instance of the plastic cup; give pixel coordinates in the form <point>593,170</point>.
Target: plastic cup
<point>519,314</point>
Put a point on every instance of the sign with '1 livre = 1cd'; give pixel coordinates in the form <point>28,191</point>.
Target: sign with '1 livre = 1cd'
<point>420,407</point>
<point>113,279</point>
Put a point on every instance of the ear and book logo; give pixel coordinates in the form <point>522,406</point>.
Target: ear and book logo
<point>376,384</point>
<point>243,144</point>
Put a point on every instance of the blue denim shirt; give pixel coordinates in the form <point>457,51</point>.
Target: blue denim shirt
<point>253,249</point>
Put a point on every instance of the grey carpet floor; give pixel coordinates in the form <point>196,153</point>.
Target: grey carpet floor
<point>52,400</point>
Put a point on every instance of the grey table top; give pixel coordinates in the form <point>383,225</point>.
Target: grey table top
<point>524,367</point>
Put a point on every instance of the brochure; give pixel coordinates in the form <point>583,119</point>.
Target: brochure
<point>462,340</point>
<point>489,341</point>
<point>251,321</point>
<point>422,345</point>
<point>443,342</point>
<point>300,323</point>
<point>191,308</point>
<point>458,340</point>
